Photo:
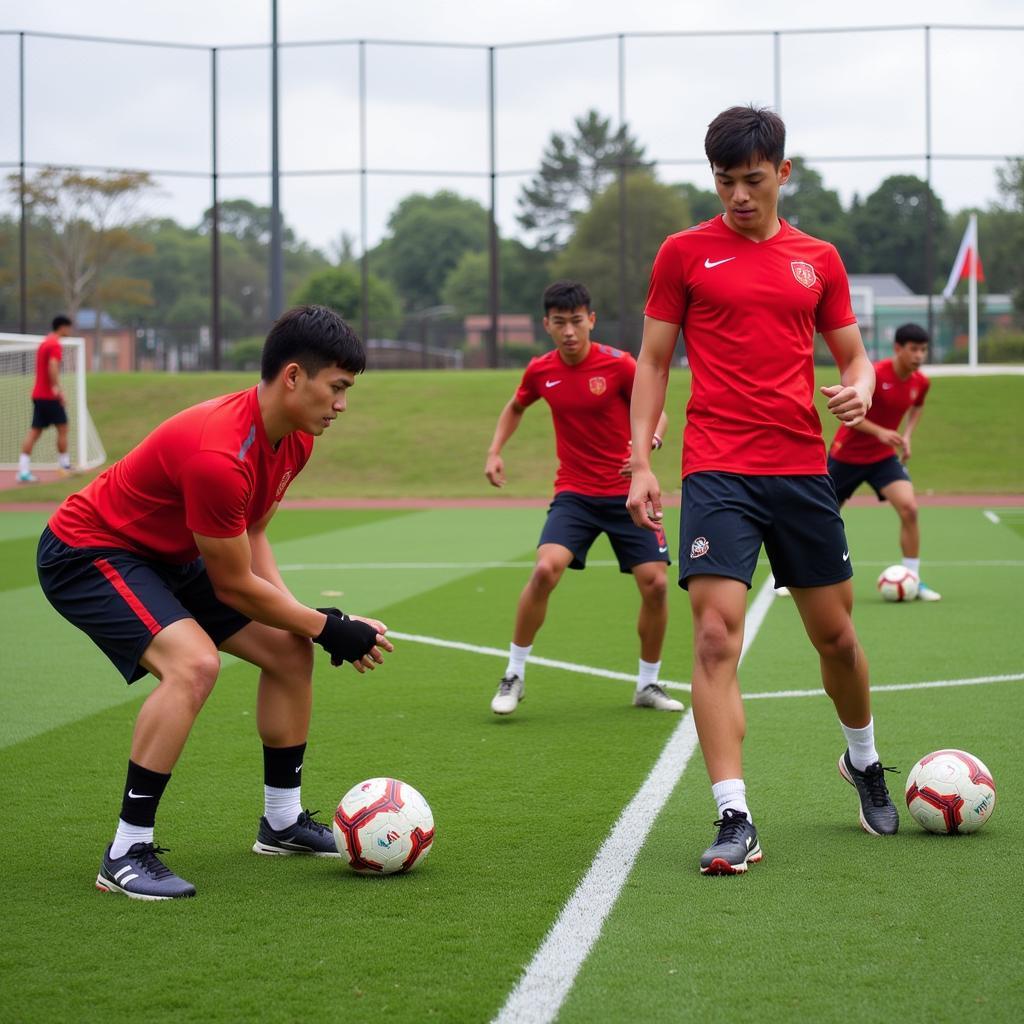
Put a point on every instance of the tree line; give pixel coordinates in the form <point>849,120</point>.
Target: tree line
<point>88,245</point>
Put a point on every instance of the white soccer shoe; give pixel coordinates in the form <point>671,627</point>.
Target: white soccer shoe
<point>653,696</point>
<point>925,593</point>
<point>510,692</point>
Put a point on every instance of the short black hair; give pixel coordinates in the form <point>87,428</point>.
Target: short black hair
<point>745,135</point>
<point>59,322</point>
<point>566,295</point>
<point>911,332</point>
<point>314,337</point>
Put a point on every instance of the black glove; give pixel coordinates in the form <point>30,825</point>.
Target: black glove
<point>345,639</point>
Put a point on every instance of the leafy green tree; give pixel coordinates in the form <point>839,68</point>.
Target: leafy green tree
<point>703,203</point>
<point>1001,236</point>
<point>83,224</point>
<point>890,228</point>
<point>816,210</point>
<point>574,170</point>
<point>524,274</point>
<point>428,235</point>
<point>341,289</point>
<point>592,255</point>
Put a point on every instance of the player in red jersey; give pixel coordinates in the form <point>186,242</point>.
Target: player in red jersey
<point>47,402</point>
<point>163,560</point>
<point>587,386</point>
<point>874,451</point>
<point>749,291</point>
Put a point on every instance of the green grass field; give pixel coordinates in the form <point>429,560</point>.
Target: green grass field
<point>834,925</point>
<point>414,434</point>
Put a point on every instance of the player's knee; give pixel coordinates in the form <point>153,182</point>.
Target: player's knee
<point>296,658</point>
<point>654,589</point>
<point>839,645</point>
<point>714,643</point>
<point>197,676</point>
<point>546,575</point>
<point>908,513</point>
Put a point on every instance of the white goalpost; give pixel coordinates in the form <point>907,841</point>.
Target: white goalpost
<point>17,375</point>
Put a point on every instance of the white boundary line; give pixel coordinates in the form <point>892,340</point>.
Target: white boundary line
<point>991,516</point>
<point>547,980</point>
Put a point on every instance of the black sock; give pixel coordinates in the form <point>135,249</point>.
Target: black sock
<point>282,766</point>
<point>142,792</point>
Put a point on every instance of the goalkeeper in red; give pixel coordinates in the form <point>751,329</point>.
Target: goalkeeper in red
<point>749,292</point>
<point>876,451</point>
<point>163,560</point>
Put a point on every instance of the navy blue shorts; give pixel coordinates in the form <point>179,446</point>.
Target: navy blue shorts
<point>848,476</point>
<point>726,518</point>
<point>48,412</point>
<point>121,600</point>
<point>576,520</point>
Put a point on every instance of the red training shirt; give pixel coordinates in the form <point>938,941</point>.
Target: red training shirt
<point>49,348</point>
<point>893,397</point>
<point>748,312</point>
<point>209,470</point>
<point>590,411</point>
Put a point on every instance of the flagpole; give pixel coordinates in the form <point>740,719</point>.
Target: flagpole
<point>972,285</point>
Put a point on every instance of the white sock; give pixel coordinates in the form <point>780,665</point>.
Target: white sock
<point>648,673</point>
<point>862,745</point>
<point>913,564</point>
<point>127,836</point>
<point>64,459</point>
<point>517,660</point>
<point>24,463</point>
<point>731,794</point>
<point>281,806</point>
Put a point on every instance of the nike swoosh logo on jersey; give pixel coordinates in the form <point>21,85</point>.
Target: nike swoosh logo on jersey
<point>708,264</point>
<point>139,796</point>
<point>551,383</point>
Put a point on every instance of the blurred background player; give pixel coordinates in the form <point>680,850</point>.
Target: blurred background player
<point>875,451</point>
<point>48,408</point>
<point>749,291</point>
<point>588,386</point>
<point>163,560</point>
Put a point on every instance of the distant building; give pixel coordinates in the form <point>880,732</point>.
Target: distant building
<point>110,348</point>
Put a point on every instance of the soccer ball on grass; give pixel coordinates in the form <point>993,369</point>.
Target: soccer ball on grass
<point>382,826</point>
<point>898,583</point>
<point>950,791</point>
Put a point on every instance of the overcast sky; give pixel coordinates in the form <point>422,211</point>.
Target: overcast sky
<point>844,97</point>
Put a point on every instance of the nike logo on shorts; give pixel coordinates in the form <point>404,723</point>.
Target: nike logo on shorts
<point>846,556</point>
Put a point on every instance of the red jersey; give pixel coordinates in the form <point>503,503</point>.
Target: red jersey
<point>49,348</point>
<point>209,470</point>
<point>748,312</point>
<point>590,410</point>
<point>893,397</point>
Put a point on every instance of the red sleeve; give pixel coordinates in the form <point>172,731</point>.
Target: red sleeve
<point>834,310</point>
<point>215,490</point>
<point>666,296</point>
<point>925,385</point>
<point>626,375</point>
<point>527,393</point>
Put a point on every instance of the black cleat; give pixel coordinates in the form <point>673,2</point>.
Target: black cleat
<point>141,875</point>
<point>735,847</point>
<point>306,836</point>
<point>877,811</point>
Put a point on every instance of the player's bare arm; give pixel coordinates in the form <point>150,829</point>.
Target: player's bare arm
<point>229,563</point>
<point>913,417</point>
<point>850,400</point>
<point>508,422</point>
<point>892,438</point>
<point>53,368</point>
<point>657,440</point>
<point>646,411</point>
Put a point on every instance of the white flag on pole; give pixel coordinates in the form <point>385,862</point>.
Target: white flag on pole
<point>967,263</point>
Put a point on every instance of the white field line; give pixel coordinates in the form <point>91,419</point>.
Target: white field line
<point>596,563</point>
<point>991,516</point>
<point>603,673</point>
<point>540,992</point>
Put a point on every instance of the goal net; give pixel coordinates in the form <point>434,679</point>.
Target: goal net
<point>17,375</point>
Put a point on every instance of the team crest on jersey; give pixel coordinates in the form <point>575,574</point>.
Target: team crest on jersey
<point>700,547</point>
<point>598,385</point>
<point>284,483</point>
<point>804,273</point>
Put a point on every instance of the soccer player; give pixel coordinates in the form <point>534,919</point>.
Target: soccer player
<point>749,291</point>
<point>47,402</point>
<point>876,452</point>
<point>164,559</point>
<point>587,385</point>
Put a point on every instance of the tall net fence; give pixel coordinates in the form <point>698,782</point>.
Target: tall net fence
<point>365,126</point>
